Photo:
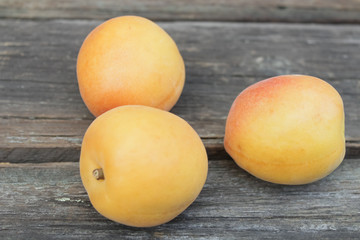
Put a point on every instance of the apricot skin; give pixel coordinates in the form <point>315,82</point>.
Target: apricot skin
<point>129,60</point>
<point>287,129</point>
<point>154,165</point>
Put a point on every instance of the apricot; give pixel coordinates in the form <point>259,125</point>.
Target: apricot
<point>142,166</point>
<point>129,60</point>
<point>287,129</point>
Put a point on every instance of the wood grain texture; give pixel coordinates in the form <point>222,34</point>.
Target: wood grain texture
<point>48,201</point>
<point>42,116</point>
<point>325,11</point>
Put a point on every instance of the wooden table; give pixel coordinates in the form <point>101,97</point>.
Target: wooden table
<point>226,45</point>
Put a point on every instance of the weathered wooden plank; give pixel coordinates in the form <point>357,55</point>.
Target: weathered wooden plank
<point>41,109</point>
<point>43,201</point>
<point>325,11</point>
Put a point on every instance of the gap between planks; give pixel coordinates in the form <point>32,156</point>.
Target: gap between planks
<point>214,148</point>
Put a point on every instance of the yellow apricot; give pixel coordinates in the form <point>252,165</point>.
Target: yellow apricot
<point>142,166</point>
<point>287,129</point>
<point>129,60</point>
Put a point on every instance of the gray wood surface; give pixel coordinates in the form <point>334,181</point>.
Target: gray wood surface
<point>328,11</point>
<point>47,201</point>
<point>42,116</point>
<point>43,119</point>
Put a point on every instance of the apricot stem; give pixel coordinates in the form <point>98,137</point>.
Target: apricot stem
<point>98,174</point>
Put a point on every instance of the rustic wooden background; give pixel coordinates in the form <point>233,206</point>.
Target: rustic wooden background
<point>226,45</point>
